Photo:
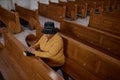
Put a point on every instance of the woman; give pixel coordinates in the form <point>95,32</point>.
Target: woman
<point>50,46</point>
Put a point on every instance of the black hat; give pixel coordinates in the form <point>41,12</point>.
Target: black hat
<point>49,28</point>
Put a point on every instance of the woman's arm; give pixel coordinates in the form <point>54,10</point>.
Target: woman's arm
<point>57,46</point>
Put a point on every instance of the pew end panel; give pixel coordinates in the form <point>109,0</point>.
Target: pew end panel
<point>10,19</point>
<point>31,16</point>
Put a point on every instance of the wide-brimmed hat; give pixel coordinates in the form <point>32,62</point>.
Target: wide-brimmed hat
<point>49,28</point>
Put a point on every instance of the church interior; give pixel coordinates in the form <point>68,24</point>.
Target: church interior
<point>90,30</point>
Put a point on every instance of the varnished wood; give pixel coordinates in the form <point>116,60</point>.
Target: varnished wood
<point>15,66</point>
<point>10,19</point>
<point>52,11</point>
<point>28,15</point>
<point>93,37</point>
<point>106,21</point>
<point>99,5</point>
<point>82,7</point>
<point>86,63</point>
<point>1,45</point>
<point>71,9</point>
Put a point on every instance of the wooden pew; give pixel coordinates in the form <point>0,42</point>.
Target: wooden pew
<point>15,66</point>
<point>98,39</point>
<point>1,45</point>
<point>31,16</point>
<point>71,9</point>
<point>86,63</point>
<point>81,7</point>
<point>113,4</point>
<point>91,6</point>
<point>109,5</point>
<point>114,13</point>
<point>106,21</point>
<point>86,6</point>
<point>10,19</point>
<point>118,5</point>
<point>52,11</point>
<point>100,5</point>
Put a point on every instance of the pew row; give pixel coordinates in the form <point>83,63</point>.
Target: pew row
<point>81,8</point>
<point>10,19</point>
<point>109,5</point>
<point>106,21</point>
<point>90,5</point>
<point>92,37</point>
<point>71,9</point>
<point>15,66</point>
<point>99,5</point>
<point>31,16</point>
<point>86,63</point>
<point>1,45</point>
<point>54,12</point>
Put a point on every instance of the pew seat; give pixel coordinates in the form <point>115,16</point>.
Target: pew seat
<point>15,66</point>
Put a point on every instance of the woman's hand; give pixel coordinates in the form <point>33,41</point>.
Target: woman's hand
<point>31,49</point>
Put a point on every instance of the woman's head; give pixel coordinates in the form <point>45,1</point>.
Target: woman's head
<point>49,28</point>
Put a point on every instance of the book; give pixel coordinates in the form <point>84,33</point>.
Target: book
<point>27,53</point>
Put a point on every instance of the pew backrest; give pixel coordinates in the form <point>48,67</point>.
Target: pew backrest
<point>29,15</point>
<point>52,11</point>
<point>93,37</point>
<point>86,63</point>
<point>106,21</point>
<point>71,9</point>
<point>31,68</point>
<point>10,19</point>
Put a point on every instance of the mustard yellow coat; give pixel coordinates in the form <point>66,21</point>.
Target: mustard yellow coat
<point>52,50</point>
